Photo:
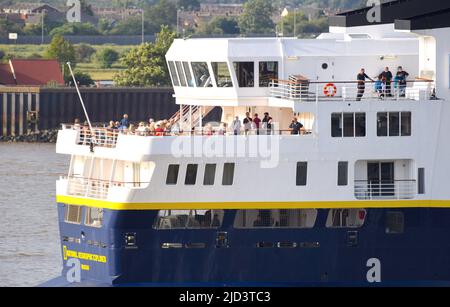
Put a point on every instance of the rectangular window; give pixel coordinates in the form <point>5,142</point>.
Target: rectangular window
<point>189,219</point>
<point>181,75</point>
<point>406,123</point>
<point>228,174</point>
<point>268,71</point>
<point>94,217</point>
<point>302,173</point>
<point>191,174</point>
<point>295,218</point>
<point>395,222</point>
<point>421,181</point>
<point>201,74</point>
<point>172,174</point>
<point>382,124</point>
<point>245,73</point>
<point>346,218</point>
<point>360,124</point>
<point>222,74</point>
<point>394,124</point>
<point>173,73</point>
<point>210,174</point>
<point>342,173</point>
<point>187,70</point>
<point>336,125</point>
<point>348,124</point>
<point>73,214</point>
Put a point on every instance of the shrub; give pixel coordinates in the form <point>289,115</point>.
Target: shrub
<point>107,57</point>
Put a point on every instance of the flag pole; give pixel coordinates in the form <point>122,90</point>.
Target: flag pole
<point>82,103</point>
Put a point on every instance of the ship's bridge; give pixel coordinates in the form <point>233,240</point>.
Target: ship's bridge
<point>272,72</point>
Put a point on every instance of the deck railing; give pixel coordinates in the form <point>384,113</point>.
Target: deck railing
<point>95,188</point>
<point>306,91</point>
<point>397,189</point>
<point>106,137</point>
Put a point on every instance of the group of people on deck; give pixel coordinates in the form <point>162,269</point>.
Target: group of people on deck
<point>383,85</point>
<point>152,127</point>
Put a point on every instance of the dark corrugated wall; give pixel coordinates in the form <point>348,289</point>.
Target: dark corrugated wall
<point>54,106</point>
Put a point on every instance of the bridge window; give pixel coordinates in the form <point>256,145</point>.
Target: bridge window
<point>394,124</point>
<point>346,218</point>
<point>73,214</point>
<point>395,222</point>
<point>268,71</point>
<point>173,74</point>
<point>189,219</point>
<point>292,218</point>
<point>210,174</point>
<point>201,74</point>
<point>94,217</point>
<point>191,174</point>
<point>228,174</point>
<point>189,79</point>
<point>181,76</point>
<point>222,74</point>
<point>302,173</point>
<point>172,174</point>
<point>342,173</point>
<point>245,73</point>
<point>348,124</point>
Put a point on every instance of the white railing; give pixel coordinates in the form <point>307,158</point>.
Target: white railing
<point>398,189</point>
<point>83,187</point>
<point>99,136</point>
<point>305,91</point>
<point>96,188</point>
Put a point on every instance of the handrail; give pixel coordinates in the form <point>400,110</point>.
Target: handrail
<point>305,90</point>
<point>103,180</point>
<point>385,189</point>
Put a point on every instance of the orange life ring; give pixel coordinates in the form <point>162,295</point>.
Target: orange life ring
<point>330,90</point>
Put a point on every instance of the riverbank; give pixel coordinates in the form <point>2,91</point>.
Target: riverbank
<point>45,136</point>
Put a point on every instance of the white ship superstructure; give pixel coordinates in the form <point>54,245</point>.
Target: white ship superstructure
<point>366,176</point>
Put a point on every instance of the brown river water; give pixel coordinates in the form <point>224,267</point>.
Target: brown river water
<point>29,235</point>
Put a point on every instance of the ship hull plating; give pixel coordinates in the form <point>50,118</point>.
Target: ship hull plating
<point>128,251</point>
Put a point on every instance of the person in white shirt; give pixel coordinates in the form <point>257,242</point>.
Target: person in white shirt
<point>236,126</point>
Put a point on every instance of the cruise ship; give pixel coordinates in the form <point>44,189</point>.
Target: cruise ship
<point>359,197</point>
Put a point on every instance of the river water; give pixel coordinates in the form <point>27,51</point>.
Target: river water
<point>29,235</point>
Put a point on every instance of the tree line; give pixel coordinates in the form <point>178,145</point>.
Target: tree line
<point>257,18</point>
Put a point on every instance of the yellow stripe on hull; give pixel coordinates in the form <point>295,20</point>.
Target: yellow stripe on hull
<point>88,202</point>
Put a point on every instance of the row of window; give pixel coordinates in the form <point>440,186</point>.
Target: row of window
<point>93,216</point>
<point>197,74</point>
<point>209,175</point>
<point>354,124</point>
<point>272,219</point>
<point>245,219</point>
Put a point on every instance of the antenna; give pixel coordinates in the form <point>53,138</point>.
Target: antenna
<point>82,103</point>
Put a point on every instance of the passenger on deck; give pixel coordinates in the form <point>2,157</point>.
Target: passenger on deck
<point>236,126</point>
<point>247,123</point>
<point>256,123</point>
<point>387,79</point>
<point>125,122</point>
<point>159,131</point>
<point>295,127</point>
<point>142,130</point>
<point>361,77</point>
<point>267,123</point>
<point>401,77</point>
<point>379,87</point>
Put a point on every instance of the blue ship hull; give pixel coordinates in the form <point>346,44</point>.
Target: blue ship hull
<point>255,257</point>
